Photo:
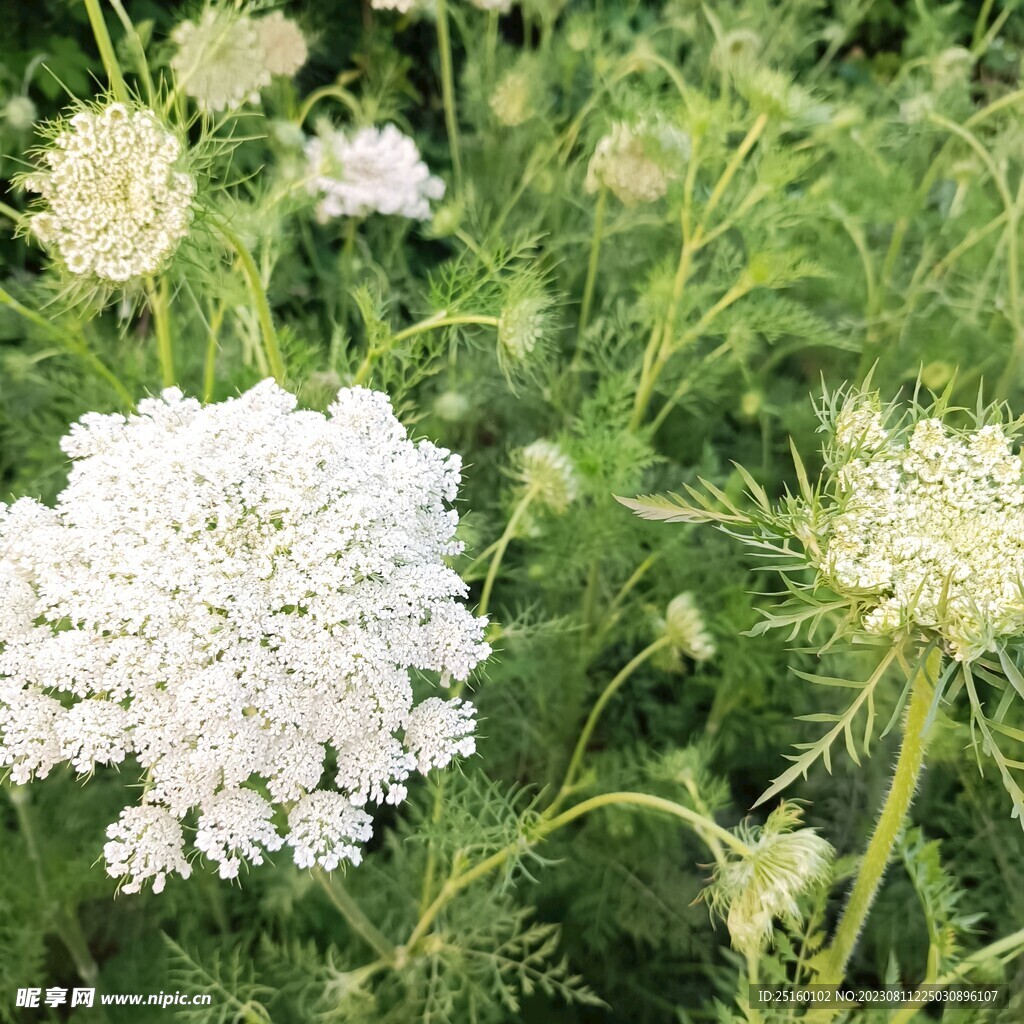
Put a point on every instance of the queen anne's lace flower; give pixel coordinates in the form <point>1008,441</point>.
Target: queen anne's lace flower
<point>685,628</point>
<point>372,170</point>
<point>550,474</point>
<point>928,528</point>
<point>284,45</point>
<point>227,593</point>
<point>220,61</point>
<point>115,206</point>
<point>637,162</point>
<point>145,843</point>
<point>402,6</point>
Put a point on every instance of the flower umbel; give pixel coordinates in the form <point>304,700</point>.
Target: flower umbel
<point>371,170</point>
<point>226,593</point>
<point>637,162</point>
<point>115,205</point>
<point>221,61</point>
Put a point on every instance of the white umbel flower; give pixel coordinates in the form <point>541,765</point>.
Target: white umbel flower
<point>228,593</point>
<point>371,170</point>
<point>145,843</point>
<point>284,45</point>
<point>550,474</point>
<point>636,163</point>
<point>501,6</point>
<point>115,204</point>
<point>220,61</point>
<point>928,528</point>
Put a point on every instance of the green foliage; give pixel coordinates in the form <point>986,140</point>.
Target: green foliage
<point>850,209</point>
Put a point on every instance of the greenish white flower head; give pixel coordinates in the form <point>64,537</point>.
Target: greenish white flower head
<point>784,862</point>
<point>115,201</point>
<point>686,629</point>
<point>284,46</point>
<point>927,527</point>
<point>736,50</point>
<point>236,595</point>
<point>636,163</point>
<point>514,101</point>
<point>220,61</point>
<point>20,113</point>
<point>370,170</point>
<point>550,474</point>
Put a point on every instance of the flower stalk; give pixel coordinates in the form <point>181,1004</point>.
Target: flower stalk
<point>891,821</point>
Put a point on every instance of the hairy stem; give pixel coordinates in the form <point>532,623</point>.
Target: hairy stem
<point>890,825</point>
<point>499,552</point>
<point>592,265</point>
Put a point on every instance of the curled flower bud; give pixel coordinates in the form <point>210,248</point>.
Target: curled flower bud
<point>685,628</point>
<point>20,113</point>
<point>114,204</point>
<point>523,325</point>
<point>550,474</point>
<point>784,863</point>
<point>513,101</point>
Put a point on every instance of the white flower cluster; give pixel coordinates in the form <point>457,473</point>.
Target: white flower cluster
<point>224,59</point>
<point>929,524</point>
<point>550,474</point>
<point>686,630</point>
<point>371,170</point>
<point>235,595</point>
<point>116,206</point>
<point>402,6</point>
<point>637,162</point>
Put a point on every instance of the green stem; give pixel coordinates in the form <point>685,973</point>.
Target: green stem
<point>107,54</point>
<point>73,342</point>
<point>159,307</point>
<point>210,360</point>
<point>252,276</point>
<point>139,51</point>
<point>352,912</point>
<point>890,825</point>
<point>499,552</point>
<point>1009,948</point>
<point>326,92</point>
<point>595,259</point>
<point>457,883</point>
<point>444,44</point>
<point>588,729</point>
<point>66,924</point>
